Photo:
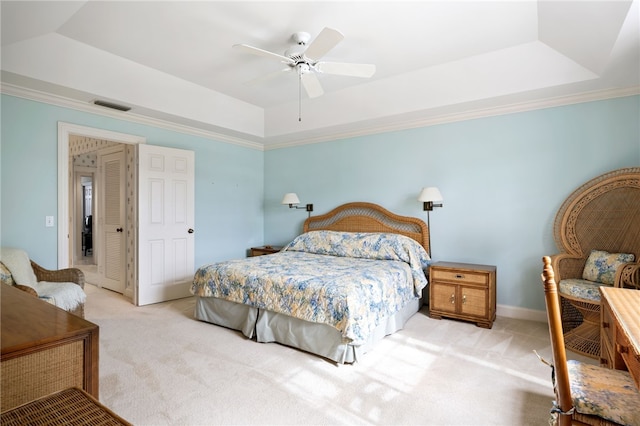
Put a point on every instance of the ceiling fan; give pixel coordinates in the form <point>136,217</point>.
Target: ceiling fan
<point>304,58</point>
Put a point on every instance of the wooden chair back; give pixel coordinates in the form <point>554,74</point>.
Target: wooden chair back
<point>562,387</point>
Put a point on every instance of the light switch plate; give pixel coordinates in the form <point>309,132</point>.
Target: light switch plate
<point>48,221</point>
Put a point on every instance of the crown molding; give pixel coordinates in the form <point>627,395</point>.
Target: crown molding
<point>468,115</point>
<point>48,98</point>
<point>397,125</point>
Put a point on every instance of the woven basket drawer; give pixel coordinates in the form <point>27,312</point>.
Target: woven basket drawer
<point>41,373</point>
<point>459,276</point>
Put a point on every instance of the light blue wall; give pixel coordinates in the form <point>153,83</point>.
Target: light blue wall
<point>228,182</point>
<point>502,178</point>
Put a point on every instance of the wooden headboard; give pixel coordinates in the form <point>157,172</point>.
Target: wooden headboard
<point>369,217</point>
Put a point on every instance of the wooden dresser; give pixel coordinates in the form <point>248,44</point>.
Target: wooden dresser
<point>44,349</point>
<point>620,330</point>
<point>463,291</point>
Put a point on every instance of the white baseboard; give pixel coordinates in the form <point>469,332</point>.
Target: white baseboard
<point>521,313</point>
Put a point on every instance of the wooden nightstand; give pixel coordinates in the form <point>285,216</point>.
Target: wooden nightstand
<point>463,291</point>
<point>260,251</point>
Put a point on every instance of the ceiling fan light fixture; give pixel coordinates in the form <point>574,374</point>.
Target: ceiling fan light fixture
<point>301,37</point>
<point>296,52</point>
<point>303,68</point>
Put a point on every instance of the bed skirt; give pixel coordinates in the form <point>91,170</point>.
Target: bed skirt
<point>319,339</point>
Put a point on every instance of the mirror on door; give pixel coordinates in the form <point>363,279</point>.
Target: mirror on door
<point>87,216</point>
<point>83,219</point>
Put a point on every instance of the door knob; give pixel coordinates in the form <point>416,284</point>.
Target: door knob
<point>118,229</point>
<point>190,230</point>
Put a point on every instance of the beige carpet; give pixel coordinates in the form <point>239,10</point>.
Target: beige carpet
<point>159,366</point>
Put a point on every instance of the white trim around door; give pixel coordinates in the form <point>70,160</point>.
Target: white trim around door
<point>65,130</point>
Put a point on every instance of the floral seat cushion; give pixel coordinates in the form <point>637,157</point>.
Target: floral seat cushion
<point>610,394</point>
<point>600,269</point>
<point>580,289</point>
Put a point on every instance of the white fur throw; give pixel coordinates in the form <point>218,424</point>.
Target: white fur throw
<point>67,296</point>
<point>17,261</point>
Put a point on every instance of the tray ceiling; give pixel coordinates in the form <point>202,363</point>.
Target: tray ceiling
<point>435,60</point>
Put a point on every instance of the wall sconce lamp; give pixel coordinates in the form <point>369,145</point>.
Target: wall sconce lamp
<point>429,196</point>
<point>292,199</point>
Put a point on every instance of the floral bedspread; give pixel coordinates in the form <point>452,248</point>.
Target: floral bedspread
<point>346,280</point>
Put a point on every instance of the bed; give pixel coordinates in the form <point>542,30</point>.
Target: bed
<point>355,275</point>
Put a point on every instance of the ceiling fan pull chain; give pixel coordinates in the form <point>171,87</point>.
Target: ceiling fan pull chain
<point>299,95</point>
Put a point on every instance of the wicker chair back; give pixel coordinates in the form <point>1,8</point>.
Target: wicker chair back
<point>603,214</point>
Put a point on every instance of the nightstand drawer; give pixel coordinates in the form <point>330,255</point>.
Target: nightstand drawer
<point>459,276</point>
<point>261,251</point>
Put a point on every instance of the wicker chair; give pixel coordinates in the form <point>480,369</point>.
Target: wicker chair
<point>586,394</point>
<point>603,214</point>
<point>68,275</point>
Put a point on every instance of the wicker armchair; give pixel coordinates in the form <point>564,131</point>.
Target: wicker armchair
<point>604,215</point>
<point>62,276</point>
<point>68,275</point>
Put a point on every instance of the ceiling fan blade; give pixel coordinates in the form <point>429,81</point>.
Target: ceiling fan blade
<point>343,68</point>
<point>311,84</point>
<point>261,52</point>
<point>326,40</point>
<point>268,77</point>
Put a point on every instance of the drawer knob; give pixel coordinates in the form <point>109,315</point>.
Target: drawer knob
<point>459,276</point>
<point>464,299</point>
<point>452,299</point>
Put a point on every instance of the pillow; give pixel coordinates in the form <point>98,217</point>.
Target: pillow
<point>5,275</point>
<point>366,245</point>
<point>601,266</point>
<point>17,261</point>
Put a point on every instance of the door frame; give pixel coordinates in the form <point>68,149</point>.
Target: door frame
<point>65,130</point>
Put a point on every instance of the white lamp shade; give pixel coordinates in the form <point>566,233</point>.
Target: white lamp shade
<point>290,198</point>
<point>430,193</point>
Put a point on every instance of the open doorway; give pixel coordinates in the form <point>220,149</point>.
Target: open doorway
<point>73,187</point>
<point>98,219</point>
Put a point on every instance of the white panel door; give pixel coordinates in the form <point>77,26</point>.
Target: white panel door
<point>165,224</point>
<point>111,255</point>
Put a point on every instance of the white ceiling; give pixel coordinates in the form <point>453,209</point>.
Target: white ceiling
<point>436,60</point>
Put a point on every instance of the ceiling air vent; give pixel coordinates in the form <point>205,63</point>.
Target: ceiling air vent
<point>111,105</point>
